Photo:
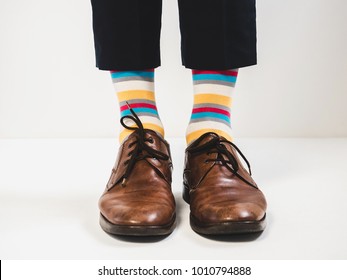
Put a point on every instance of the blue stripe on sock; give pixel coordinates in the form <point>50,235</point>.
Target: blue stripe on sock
<point>122,74</point>
<point>139,111</point>
<point>219,77</point>
<point>211,115</point>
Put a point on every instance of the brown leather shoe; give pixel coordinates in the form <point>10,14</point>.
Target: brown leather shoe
<point>138,199</point>
<point>222,195</point>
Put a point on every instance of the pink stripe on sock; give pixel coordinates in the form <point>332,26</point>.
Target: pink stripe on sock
<point>138,105</point>
<point>211,109</point>
<point>223,72</point>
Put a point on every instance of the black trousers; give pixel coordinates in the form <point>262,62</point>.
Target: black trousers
<point>215,34</point>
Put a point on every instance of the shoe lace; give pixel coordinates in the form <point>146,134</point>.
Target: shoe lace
<point>141,150</point>
<point>224,156</point>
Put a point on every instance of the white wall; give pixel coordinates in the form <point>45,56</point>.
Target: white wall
<point>49,86</point>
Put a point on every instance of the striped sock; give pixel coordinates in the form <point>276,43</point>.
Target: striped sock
<point>137,88</point>
<point>212,102</point>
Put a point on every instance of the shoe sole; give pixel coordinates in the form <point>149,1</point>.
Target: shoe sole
<point>227,227</point>
<point>223,228</point>
<point>137,230</point>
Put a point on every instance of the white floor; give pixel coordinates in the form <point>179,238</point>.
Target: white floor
<point>49,190</point>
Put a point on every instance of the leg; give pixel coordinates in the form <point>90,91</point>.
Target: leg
<point>137,199</point>
<point>135,89</point>
<point>212,101</point>
<point>127,42</point>
<point>127,34</point>
<point>217,34</point>
<point>218,37</point>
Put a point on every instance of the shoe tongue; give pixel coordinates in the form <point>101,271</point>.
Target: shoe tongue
<point>205,138</point>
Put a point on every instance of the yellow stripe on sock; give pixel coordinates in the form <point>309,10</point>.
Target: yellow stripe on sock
<point>196,134</point>
<point>212,98</point>
<point>135,94</point>
<point>126,132</point>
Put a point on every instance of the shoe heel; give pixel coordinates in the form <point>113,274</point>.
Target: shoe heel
<point>186,195</point>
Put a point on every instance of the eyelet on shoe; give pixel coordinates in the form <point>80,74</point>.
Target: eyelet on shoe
<point>130,153</point>
<point>126,162</point>
<point>131,144</point>
<point>205,161</point>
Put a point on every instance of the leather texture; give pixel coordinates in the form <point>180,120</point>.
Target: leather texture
<point>218,193</point>
<point>144,198</point>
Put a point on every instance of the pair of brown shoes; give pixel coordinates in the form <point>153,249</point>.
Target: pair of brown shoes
<point>138,199</point>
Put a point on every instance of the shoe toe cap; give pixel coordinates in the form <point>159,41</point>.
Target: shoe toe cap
<point>146,214</point>
<point>230,212</point>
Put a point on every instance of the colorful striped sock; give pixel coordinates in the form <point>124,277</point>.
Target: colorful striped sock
<point>212,102</point>
<point>137,88</point>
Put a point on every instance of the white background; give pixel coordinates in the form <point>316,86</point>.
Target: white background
<point>50,87</point>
